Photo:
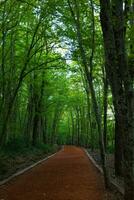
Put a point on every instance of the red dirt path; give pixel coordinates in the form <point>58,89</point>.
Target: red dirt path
<point>69,175</point>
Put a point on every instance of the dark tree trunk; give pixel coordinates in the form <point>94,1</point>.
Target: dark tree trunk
<point>44,124</point>
<point>73,127</point>
<point>78,126</point>
<point>118,147</point>
<point>105,111</point>
<point>121,85</point>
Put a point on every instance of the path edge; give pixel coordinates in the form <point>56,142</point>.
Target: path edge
<point>112,182</point>
<point>28,168</point>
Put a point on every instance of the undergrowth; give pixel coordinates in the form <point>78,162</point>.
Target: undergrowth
<point>17,155</point>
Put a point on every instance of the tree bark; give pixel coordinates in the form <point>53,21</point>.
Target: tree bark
<point>105,102</point>
<point>121,85</point>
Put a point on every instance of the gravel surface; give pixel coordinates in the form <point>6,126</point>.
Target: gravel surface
<point>69,175</point>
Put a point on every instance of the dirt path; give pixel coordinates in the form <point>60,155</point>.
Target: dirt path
<point>69,175</point>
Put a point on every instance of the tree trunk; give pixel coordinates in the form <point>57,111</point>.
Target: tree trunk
<point>105,102</point>
<point>121,85</point>
<point>73,127</point>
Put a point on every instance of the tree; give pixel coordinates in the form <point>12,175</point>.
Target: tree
<point>121,84</point>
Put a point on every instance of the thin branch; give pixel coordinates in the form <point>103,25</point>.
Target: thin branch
<point>93,39</point>
<point>28,3</point>
<point>42,68</point>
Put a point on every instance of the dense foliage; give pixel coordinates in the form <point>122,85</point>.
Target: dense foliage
<point>64,76</point>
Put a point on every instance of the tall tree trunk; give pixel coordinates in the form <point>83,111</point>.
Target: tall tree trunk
<point>121,85</point>
<point>105,102</point>
<point>78,125</point>
<point>73,127</point>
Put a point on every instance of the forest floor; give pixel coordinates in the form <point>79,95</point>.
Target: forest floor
<point>14,159</point>
<point>69,175</point>
<point>110,164</point>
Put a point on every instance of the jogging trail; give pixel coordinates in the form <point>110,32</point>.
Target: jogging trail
<point>68,175</point>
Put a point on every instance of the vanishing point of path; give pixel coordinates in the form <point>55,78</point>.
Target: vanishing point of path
<point>69,175</point>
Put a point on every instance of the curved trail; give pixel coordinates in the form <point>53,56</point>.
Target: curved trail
<point>69,175</point>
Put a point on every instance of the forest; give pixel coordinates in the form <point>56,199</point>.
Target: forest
<point>67,78</point>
